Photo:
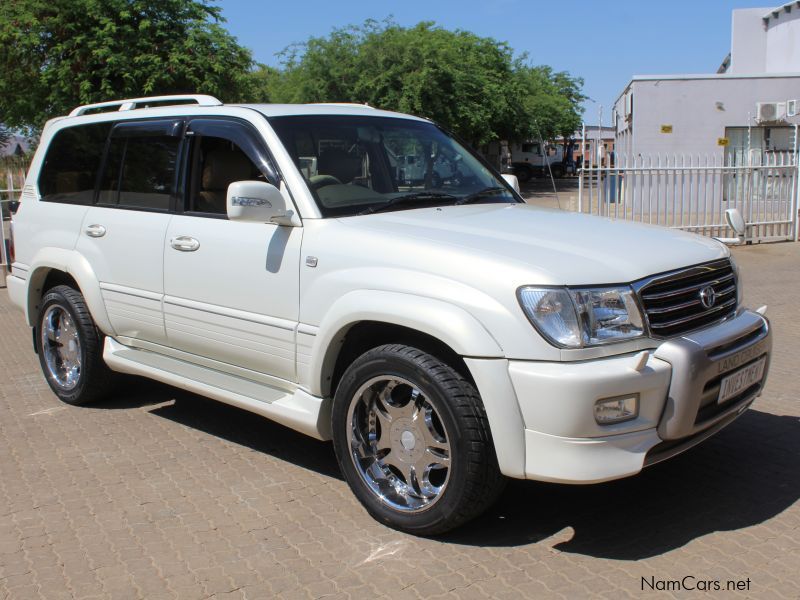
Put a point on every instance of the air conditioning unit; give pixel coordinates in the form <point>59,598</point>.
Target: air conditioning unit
<point>791,108</point>
<point>770,111</point>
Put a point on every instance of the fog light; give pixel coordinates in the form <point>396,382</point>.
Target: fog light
<point>614,410</point>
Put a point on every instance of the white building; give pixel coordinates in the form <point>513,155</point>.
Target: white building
<point>752,102</point>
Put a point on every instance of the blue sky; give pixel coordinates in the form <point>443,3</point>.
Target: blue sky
<point>605,42</point>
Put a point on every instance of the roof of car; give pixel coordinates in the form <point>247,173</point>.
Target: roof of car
<point>343,109</point>
<point>193,104</point>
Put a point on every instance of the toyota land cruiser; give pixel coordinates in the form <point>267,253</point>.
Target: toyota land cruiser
<point>362,276</point>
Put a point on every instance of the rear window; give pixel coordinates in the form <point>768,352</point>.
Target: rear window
<point>71,164</point>
<point>140,172</point>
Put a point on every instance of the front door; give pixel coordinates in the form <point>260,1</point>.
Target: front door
<point>231,289</point>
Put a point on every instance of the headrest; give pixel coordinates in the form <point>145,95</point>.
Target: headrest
<point>337,162</point>
<point>223,167</point>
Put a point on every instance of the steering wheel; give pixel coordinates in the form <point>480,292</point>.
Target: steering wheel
<point>318,181</point>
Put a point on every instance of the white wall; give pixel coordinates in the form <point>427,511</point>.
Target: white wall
<point>783,43</point>
<point>690,106</point>
<point>748,41</point>
<point>771,46</point>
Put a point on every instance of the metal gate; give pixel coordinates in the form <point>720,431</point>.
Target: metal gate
<point>693,192</point>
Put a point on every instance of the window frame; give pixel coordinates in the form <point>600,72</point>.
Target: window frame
<point>172,126</point>
<point>233,129</point>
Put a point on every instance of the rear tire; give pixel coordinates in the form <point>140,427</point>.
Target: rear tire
<point>413,441</point>
<point>70,348</point>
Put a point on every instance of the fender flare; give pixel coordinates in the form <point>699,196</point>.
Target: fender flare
<point>446,322</point>
<point>451,325</point>
<point>75,265</point>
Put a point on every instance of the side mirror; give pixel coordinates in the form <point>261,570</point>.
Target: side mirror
<point>512,181</point>
<point>257,202</point>
<point>736,222</point>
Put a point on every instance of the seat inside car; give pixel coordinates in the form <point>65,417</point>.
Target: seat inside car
<point>340,164</point>
<point>221,167</point>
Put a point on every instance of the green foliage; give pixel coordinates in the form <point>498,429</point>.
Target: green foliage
<point>57,54</point>
<point>5,136</point>
<point>470,84</point>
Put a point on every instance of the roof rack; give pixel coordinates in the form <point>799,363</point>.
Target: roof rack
<point>133,103</point>
<point>365,105</point>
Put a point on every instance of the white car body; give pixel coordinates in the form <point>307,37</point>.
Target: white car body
<point>199,319</point>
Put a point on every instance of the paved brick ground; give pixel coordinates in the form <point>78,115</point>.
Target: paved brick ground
<point>160,494</point>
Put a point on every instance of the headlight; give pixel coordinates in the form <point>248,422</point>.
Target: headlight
<point>579,317</point>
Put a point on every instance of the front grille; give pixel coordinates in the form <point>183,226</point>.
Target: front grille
<point>672,302</point>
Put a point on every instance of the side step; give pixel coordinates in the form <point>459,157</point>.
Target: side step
<point>298,410</point>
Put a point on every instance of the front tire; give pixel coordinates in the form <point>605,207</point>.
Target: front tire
<point>524,174</point>
<point>70,348</point>
<point>413,441</point>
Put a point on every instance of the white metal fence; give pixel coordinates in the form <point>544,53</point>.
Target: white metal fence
<point>693,192</point>
<point>12,178</point>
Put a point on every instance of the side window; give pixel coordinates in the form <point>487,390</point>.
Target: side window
<point>216,163</point>
<point>70,167</point>
<point>140,170</point>
<point>221,152</point>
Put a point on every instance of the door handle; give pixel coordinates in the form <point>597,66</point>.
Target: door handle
<point>184,243</point>
<point>95,230</point>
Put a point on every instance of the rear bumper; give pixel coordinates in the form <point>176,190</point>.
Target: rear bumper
<point>678,408</point>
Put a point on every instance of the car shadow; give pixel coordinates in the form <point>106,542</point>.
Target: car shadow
<point>743,476</point>
<point>227,422</point>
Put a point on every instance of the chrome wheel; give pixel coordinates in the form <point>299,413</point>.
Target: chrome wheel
<point>398,443</point>
<point>61,347</point>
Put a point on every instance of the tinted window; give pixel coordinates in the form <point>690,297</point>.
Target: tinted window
<point>71,164</point>
<point>140,172</point>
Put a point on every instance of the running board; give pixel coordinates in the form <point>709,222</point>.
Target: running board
<point>298,410</point>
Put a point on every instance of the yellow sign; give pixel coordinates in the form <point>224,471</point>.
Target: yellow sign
<point>722,141</point>
<point>666,129</point>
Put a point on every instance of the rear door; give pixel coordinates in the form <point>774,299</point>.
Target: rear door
<point>231,289</point>
<point>123,233</point>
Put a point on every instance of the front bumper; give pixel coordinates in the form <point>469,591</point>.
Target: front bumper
<point>678,390</point>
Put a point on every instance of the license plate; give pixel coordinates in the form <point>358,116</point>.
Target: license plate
<point>742,379</point>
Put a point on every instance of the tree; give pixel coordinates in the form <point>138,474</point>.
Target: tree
<point>5,136</point>
<point>470,84</point>
<point>57,54</point>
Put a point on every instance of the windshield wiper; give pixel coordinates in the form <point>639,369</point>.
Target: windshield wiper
<point>479,195</point>
<point>407,198</point>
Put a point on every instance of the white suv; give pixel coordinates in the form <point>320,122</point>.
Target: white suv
<point>444,334</point>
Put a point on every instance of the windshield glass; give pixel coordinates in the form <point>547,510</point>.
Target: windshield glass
<point>360,164</point>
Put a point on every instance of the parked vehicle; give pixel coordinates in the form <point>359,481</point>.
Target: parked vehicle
<point>444,334</point>
<point>531,159</point>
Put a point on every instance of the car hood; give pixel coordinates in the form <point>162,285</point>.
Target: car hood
<point>551,247</point>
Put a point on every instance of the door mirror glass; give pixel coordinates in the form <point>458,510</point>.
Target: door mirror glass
<point>256,202</point>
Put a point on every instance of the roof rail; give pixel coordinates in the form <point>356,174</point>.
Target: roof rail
<point>133,103</point>
<point>365,105</point>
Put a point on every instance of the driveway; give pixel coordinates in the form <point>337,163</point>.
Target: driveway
<point>162,494</point>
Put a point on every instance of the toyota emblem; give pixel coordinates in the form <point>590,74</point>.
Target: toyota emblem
<point>708,296</point>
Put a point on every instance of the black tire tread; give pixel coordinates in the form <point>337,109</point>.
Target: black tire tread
<point>484,483</point>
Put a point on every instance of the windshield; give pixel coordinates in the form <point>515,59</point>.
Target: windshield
<point>361,164</point>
